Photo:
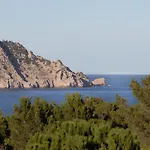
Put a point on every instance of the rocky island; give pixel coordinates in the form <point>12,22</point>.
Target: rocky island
<point>99,82</point>
<point>20,68</point>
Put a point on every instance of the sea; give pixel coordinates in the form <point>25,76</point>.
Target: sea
<point>116,84</point>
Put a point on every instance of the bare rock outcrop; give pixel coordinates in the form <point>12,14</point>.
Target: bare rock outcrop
<point>99,82</point>
<point>20,68</point>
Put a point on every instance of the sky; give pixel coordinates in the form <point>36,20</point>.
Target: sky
<point>92,36</point>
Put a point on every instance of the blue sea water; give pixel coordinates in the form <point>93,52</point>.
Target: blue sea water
<point>118,84</point>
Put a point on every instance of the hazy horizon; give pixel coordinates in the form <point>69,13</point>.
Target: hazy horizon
<point>95,37</point>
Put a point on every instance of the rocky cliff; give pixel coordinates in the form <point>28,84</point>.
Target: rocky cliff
<point>20,68</point>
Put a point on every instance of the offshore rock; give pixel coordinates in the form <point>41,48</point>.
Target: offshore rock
<point>99,82</point>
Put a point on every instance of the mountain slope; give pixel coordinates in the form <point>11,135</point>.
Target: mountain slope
<point>20,68</point>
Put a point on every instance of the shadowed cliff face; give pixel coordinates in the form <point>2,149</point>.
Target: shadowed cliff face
<point>22,69</point>
<point>8,49</point>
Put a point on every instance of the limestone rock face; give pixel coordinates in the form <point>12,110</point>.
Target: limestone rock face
<point>20,68</point>
<point>99,82</point>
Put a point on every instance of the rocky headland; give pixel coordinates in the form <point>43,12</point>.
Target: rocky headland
<point>20,68</point>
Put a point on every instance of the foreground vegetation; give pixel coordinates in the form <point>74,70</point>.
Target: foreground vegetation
<point>79,124</point>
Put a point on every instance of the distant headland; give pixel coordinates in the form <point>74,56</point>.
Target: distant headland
<point>20,68</point>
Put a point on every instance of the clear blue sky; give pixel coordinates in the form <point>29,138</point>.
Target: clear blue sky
<point>93,36</point>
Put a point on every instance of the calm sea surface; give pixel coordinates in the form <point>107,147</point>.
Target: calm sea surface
<point>118,84</point>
